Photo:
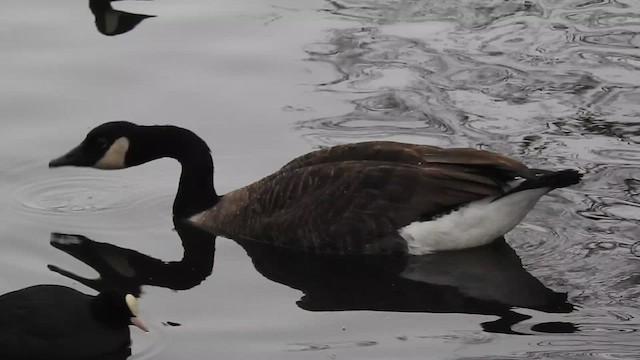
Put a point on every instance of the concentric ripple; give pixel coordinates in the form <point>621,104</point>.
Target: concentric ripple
<point>83,200</point>
<point>76,194</point>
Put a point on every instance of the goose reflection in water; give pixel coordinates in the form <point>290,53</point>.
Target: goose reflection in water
<point>486,280</point>
<point>129,270</point>
<point>110,21</point>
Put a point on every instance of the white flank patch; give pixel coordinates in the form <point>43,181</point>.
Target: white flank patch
<point>114,157</point>
<point>475,224</point>
<point>132,303</point>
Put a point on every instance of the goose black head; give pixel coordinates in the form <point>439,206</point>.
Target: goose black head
<point>117,309</point>
<point>105,147</point>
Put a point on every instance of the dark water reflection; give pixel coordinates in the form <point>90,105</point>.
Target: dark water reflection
<point>110,21</point>
<point>129,270</point>
<point>489,280</point>
<point>554,83</point>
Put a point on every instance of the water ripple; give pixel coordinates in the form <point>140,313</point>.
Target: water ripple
<point>382,115</point>
<point>90,197</point>
<point>604,19</point>
<point>603,208</point>
<point>619,39</point>
<point>332,345</point>
<point>553,83</point>
<point>77,194</point>
<point>469,14</point>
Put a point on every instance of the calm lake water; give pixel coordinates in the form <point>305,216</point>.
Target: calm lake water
<point>555,83</point>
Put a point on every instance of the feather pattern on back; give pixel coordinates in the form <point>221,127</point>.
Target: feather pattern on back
<point>354,198</point>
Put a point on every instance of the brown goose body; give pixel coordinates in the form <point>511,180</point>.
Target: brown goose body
<point>354,198</point>
<point>362,198</point>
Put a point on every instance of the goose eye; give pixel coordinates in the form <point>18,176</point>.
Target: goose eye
<point>102,143</point>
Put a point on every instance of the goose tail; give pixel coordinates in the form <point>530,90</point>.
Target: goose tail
<point>547,179</point>
<point>556,179</point>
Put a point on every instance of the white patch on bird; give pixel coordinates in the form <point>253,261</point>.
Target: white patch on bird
<point>132,304</point>
<point>513,184</point>
<point>196,219</point>
<point>477,223</point>
<point>114,157</point>
<point>200,219</point>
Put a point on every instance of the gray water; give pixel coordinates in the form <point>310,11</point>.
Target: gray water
<point>554,83</point>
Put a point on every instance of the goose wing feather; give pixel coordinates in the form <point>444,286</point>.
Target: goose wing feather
<point>353,206</point>
<point>486,162</point>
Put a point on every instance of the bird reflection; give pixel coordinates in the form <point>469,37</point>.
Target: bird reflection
<point>110,21</point>
<point>128,270</point>
<point>487,280</point>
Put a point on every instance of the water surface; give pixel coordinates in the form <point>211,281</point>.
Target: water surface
<point>554,83</point>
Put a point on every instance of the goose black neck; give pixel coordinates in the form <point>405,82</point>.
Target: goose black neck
<point>195,191</point>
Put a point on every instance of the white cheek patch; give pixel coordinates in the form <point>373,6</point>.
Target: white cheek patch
<point>132,303</point>
<point>114,157</point>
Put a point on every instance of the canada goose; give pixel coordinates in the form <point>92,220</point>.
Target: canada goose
<point>363,198</point>
<point>57,322</point>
